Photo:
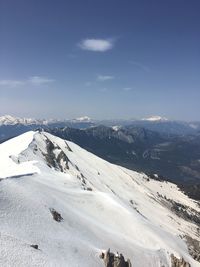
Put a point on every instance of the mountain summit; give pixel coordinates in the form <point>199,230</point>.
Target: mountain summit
<point>83,119</point>
<point>155,118</point>
<point>63,206</point>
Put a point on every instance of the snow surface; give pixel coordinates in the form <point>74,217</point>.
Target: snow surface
<point>143,230</point>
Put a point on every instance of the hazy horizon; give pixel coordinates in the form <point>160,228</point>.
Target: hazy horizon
<point>99,119</point>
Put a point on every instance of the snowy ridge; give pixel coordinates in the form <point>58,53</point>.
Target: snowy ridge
<point>102,205</point>
<point>155,118</point>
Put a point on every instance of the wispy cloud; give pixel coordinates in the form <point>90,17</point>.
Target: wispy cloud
<point>103,78</point>
<point>37,80</point>
<point>11,83</point>
<point>96,45</point>
<point>140,65</point>
<point>34,80</point>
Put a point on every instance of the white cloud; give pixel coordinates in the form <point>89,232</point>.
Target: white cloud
<point>103,78</point>
<point>11,83</point>
<point>96,45</point>
<point>34,80</point>
<point>37,80</point>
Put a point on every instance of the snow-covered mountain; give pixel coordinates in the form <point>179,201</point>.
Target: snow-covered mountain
<point>155,118</point>
<point>12,126</point>
<point>154,123</point>
<point>72,205</point>
<point>83,119</point>
<point>10,120</point>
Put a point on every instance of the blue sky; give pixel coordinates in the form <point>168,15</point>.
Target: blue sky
<point>105,59</point>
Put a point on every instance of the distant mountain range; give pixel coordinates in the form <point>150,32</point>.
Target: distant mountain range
<point>155,123</point>
<point>10,120</point>
<point>12,126</point>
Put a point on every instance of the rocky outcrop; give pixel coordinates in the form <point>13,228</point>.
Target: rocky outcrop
<point>59,161</point>
<point>193,247</point>
<point>182,211</point>
<point>56,216</point>
<point>114,260</point>
<point>179,262</point>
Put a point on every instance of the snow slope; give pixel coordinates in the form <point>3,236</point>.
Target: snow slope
<point>102,205</point>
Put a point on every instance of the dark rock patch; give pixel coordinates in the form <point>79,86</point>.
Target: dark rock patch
<point>64,158</point>
<point>193,247</point>
<point>179,262</point>
<point>56,216</point>
<point>82,176</point>
<point>34,246</point>
<point>89,189</point>
<point>114,260</point>
<point>68,147</point>
<point>60,162</point>
<point>77,168</point>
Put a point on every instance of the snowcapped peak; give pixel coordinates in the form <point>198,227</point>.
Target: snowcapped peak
<point>83,119</point>
<point>155,118</point>
<point>11,120</point>
<point>8,119</point>
<point>193,126</point>
<point>116,127</point>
